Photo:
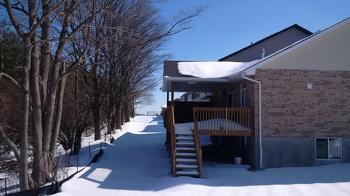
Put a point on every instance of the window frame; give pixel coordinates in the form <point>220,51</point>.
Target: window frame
<point>243,89</point>
<point>328,138</point>
<point>231,102</point>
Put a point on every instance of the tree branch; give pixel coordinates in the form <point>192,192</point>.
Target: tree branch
<point>12,17</point>
<point>13,80</point>
<point>9,142</point>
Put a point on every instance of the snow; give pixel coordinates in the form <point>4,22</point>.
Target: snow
<point>211,124</point>
<point>68,162</point>
<point>184,128</point>
<point>213,69</point>
<point>137,163</point>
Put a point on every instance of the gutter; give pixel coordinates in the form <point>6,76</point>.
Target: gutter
<point>260,119</point>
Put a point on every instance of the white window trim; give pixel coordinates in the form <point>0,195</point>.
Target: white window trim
<point>328,159</point>
<point>241,95</point>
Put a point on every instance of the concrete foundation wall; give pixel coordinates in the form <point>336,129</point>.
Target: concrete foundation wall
<point>296,152</point>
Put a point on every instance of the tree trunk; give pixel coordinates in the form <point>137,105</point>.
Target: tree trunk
<point>97,119</point>
<point>59,107</point>
<point>36,116</point>
<point>126,111</point>
<point>118,118</point>
<point>49,108</point>
<point>132,109</point>
<point>109,120</point>
<point>96,110</point>
<point>77,141</point>
<point>45,49</point>
<point>23,130</point>
<point>112,117</point>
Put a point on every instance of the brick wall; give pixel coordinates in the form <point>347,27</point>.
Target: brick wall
<point>290,109</point>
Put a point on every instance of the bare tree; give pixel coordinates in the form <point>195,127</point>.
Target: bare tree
<point>43,77</point>
<point>133,55</point>
<point>116,46</point>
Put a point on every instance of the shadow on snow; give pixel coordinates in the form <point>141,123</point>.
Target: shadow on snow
<point>141,162</point>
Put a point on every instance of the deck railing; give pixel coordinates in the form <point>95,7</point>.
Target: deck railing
<point>170,128</point>
<point>220,121</point>
<point>223,120</point>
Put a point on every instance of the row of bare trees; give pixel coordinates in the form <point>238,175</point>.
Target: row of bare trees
<point>86,63</point>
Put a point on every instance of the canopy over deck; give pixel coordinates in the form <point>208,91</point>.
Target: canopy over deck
<point>182,76</point>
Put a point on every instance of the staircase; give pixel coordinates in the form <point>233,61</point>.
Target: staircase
<point>186,162</point>
<point>184,146</point>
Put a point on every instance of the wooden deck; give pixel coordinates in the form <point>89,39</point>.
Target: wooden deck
<point>212,121</point>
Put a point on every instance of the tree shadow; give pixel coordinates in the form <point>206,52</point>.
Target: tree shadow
<point>141,162</point>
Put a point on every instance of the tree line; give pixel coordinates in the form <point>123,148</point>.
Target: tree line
<point>79,65</point>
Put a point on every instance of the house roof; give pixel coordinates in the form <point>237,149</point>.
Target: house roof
<point>180,82</point>
<point>295,26</point>
<point>171,69</point>
<point>251,70</point>
<point>172,78</point>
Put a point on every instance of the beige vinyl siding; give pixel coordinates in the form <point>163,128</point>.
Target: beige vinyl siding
<point>329,50</point>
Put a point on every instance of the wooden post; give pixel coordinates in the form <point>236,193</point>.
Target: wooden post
<point>172,95</point>
<point>172,139</point>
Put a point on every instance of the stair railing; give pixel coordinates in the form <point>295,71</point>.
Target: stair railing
<point>198,148</point>
<point>170,128</point>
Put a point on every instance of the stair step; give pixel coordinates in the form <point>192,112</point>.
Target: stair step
<point>185,143</point>
<point>185,149</point>
<point>184,138</point>
<point>186,166</point>
<point>184,154</point>
<point>183,133</point>
<point>187,173</point>
<point>185,160</point>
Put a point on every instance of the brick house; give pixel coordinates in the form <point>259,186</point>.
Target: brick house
<point>297,91</point>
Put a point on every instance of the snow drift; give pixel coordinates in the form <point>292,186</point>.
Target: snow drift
<point>213,69</point>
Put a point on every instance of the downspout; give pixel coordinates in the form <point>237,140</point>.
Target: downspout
<point>260,118</point>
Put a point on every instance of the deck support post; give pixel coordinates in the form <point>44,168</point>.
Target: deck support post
<point>172,95</point>
<point>167,96</point>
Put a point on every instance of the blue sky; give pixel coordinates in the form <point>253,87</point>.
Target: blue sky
<point>228,25</point>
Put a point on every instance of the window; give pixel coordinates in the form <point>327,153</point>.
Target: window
<point>243,94</point>
<point>231,99</point>
<point>328,148</point>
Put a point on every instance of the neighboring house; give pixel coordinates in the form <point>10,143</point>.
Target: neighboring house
<point>195,96</point>
<point>269,45</point>
<point>303,80</point>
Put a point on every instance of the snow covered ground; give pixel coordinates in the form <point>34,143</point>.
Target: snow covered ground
<point>137,163</point>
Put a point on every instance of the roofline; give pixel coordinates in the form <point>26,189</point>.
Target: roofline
<point>268,37</point>
<point>264,60</point>
<point>195,79</point>
<point>167,79</point>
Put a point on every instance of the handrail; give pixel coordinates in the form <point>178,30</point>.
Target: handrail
<point>198,153</point>
<point>170,128</point>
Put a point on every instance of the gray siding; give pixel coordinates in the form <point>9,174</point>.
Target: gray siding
<point>271,45</point>
<point>329,50</point>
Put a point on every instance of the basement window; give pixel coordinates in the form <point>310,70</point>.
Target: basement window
<point>328,148</point>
